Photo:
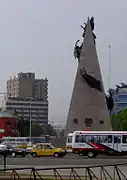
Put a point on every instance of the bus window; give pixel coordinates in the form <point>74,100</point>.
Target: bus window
<point>82,139</point>
<point>88,138</point>
<point>100,139</point>
<point>117,139</point>
<point>109,138</point>
<point>95,139</point>
<point>92,138</point>
<point>124,139</point>
<point>77,138</point>
<point>105,139</point>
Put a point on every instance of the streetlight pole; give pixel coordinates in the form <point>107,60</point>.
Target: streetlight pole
<point>109,80</point>
<point>30,121</point>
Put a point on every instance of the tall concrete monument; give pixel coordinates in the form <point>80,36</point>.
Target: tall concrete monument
<point>88,108</point>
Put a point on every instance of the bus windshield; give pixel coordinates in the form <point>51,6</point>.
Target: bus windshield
<point>69,139</point>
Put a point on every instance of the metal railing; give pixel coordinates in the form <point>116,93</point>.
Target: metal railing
<point>3,161</point>
<point>99,172</point>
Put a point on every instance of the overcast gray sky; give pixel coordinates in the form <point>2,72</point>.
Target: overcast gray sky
<point>39,36</point>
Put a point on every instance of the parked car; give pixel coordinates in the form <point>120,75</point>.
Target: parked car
<point>47,149</point>
<point>3,147</point>
<point>19,152</point>
<point>14,152</point>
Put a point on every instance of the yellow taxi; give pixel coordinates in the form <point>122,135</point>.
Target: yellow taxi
<point>47,149</point>
<point>22,146</point>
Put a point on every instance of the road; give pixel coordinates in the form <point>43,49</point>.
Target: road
<point>67,160</point>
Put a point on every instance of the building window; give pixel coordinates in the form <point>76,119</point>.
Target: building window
<point>88,121</point>
<point>75,120</point>
<point>101,122</point>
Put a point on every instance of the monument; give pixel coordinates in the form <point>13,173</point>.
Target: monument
<point>88,107</point>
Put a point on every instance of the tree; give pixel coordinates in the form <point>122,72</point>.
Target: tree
<point>49,130</point>
<point>37,129</point>
<point>23,128</point>
<point>119,121</point>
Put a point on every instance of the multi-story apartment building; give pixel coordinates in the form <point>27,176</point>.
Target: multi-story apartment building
<point>120,98</point>
<point>25,85</point>
<point>28,96</point>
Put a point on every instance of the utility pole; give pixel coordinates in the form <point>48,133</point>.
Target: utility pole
<point>109,78</point>
<point>30,121</point>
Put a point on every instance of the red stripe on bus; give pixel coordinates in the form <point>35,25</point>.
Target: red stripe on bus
<point>99,146</point>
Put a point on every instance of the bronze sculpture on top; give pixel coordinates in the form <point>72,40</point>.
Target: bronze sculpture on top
<point>88,107</point>
<point>92,27</point>
<point>77,49</point>
<point>92,82</point>
<point>109,101</point>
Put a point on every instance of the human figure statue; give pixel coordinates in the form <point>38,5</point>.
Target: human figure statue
<point>123,85</point>
<point>77,50</point>
<point>110,101</point>
<point>92,28</point>
<point>91,81</point>
<point>117,86</point>
<point>92,23</point>
<point>84,29</point>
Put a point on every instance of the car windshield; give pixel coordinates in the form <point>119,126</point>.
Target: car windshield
<point>53,147</point>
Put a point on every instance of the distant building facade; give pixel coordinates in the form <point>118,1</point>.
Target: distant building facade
<point>26,85</point>
<point>28,96</point>
<point>28,108</point>
<point>120,98</point>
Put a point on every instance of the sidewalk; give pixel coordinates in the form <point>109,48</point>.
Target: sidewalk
<point>65,173</point>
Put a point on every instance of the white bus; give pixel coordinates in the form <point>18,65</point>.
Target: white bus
<point>15,141</point>
<point>93,143</point>
<point>24,142</point>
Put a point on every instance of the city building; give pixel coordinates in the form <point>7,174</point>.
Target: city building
<point>120,98</point>
<point>28,108</point>
<point>26,85</point>
<point>28,96</point>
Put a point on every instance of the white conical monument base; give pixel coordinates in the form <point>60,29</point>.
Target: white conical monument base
<point>88,108</point>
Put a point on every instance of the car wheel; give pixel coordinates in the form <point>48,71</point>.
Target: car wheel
<point>91,154</point>
<point>56,155</point>
<point>34,155</point>
<point>13,154</point>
